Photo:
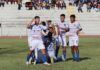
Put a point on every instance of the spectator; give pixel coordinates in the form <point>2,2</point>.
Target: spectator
<point>2,3</point>
<point>19,4</point>
<point>89,7</point>
<point>63,5</point>
<point>99,7</point>
<point>80,8</point>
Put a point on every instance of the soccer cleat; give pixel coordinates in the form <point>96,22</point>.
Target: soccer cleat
<point>28,63</point>
<point>63,58</point>
<point>34,62</point>
<point>46,63</point>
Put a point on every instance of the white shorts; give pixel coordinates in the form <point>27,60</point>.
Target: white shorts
<point>37,44</point>
<point>73,41</point>
<point>51,53</point>
<point>62,40</point>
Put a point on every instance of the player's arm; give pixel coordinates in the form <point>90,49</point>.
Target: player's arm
<point>30,24</point>
<point>45,32</point>
<point>58,29</point>
<point>66,29</point>
<point>79,29</point>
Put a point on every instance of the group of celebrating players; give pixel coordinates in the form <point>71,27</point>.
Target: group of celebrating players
<point>43,36</point>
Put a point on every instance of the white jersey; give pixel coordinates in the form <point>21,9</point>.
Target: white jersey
<point>44,27</point>
<point>73,27</point>
<point>29,31</point>
<point>37,32</point>
<point>62,26</point>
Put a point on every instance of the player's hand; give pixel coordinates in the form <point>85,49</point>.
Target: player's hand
<point>78,31</point>
<point>66,30</point>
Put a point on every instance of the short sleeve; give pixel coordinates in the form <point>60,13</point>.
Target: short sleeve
<point>79,26</point>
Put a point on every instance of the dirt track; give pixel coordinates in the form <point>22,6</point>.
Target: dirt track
<point>82,36</point>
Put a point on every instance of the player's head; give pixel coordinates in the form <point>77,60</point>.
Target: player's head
<point>51,28</point>
<point>37,19</point>
<point>43,23</point>
<point>49,22</point>
<point>62,17</point>
<point>72,18</point>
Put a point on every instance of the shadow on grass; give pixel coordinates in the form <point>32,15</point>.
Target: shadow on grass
<point>4,51</point>
<point>70,59</point>
<point>2,48</point>
<point>81,58</point>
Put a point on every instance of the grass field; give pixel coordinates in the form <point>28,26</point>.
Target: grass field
<point>13,56</point>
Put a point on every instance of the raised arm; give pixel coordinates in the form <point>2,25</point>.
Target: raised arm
<point>30,24</point>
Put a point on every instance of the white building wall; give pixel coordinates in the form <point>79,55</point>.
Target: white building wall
<point>14,22</point>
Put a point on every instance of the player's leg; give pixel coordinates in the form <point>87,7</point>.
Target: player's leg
<point>76,49</point>
<point>64,47</point>
<point>57,47</point>
<point>73,53</point>
<point>30,56</point>
<point>35,55</point>
<point>31,53</point>
<point>71,44</point>
<point>42,48</point>
<point>77,52</point>
<point>51,52</point>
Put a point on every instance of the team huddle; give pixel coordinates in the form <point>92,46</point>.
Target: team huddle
<point>43,36</point>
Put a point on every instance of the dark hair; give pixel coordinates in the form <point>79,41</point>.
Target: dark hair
<point>62,15</point>
<point>43,23</point>
<point>36,17</point>
<point>73,16</point>
<point>49,21</point>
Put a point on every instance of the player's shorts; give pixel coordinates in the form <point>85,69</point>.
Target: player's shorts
<point>51,54</point>
<point>62,40</point>
<point>37,44</point>
<point>73,41</point>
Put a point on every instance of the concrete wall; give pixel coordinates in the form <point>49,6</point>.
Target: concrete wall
<point>14,22</point>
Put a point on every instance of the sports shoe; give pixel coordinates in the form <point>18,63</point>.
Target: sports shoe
<point>46,63</point>
<point>63,58</point>
<point>28,63</point>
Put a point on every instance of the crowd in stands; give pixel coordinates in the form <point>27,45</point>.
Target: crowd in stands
<point>3,2</point>
<point>90,4</point>
<point>36,4</point>
<point>59,4</point>
<point>45,4</point>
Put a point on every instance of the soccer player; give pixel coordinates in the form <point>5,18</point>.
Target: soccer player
<point>37,39</point>
<point>29,31</point>
<point>62,27</point>
<point>74,29</point>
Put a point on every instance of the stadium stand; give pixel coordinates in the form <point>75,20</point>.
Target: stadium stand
<point>13,22</point>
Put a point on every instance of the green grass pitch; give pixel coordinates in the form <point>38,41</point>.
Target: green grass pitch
<point>13,56</point>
